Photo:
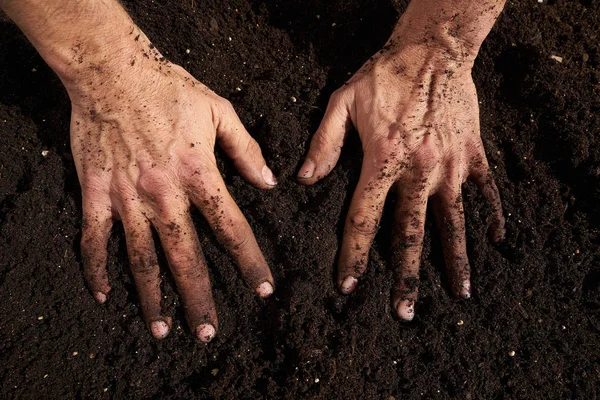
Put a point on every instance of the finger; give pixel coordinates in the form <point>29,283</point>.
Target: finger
<point>171,218</point>
<point>361,225</point>
<point>409,229</point>
<point>326,144</point>
<point>482,176</point>
<point>95,232</point>
<point>187,263</point>
<point>145,270</point>
<point>243,150</point>
<point>450,219</point>
<point>210,195</point>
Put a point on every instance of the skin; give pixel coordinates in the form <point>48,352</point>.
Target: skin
<point>143,133</point>
<point>414,105</point>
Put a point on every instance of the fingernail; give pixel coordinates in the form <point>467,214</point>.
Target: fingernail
<point>465,290</point>
<point>307,170</point>
<point>406,309</point>
<point>349,285</point>
<point>160,329</point>
<point>268,176</point>
<point>100,297</point>
<point>264,290</point>
<point>205,332</point>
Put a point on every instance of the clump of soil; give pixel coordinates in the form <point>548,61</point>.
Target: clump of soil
<point>537,295</point>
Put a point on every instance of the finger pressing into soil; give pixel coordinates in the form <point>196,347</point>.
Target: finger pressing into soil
<point>243,150</point>
<point>145,270</point>
<point>361,225</point>
<point>186,261</point>
<point>450,219</point>
<point>211,196</point>
<point>407,243</point>
<point>326,145</point>
<point>482,176</point>
<point>95,231</point>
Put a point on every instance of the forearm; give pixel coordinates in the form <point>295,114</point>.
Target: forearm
<point>454,28</point>
<point>74,35</point>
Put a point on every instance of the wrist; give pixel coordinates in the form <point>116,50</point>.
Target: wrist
<point>434,42</point>
<point>76,38</point>
<point>407,57</point>
<point>448,31</point>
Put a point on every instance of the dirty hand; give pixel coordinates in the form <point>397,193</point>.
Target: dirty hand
<point>144,150</point>
<point>415,107</point>
<point>143,133</point>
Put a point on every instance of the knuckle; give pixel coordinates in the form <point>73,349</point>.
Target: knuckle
<point>192,167</point>
<point>321,140</point>
<point>364,222</point>
<point>184,270</point>
<point>142,268</point>
<point>222,107</point>
<point>245,146</point>
<point>234,235</point>
<point>409,241</point>
<point>427,158</point>
<point>154,181</point>
<point>337,97</point>
<point>252,147</point>
<point>143,262</point>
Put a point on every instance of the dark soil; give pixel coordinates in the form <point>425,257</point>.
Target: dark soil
<point>538,294</point>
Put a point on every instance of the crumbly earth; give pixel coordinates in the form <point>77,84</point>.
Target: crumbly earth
<point>537,294</point>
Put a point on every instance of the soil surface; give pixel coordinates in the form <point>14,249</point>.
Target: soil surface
<point>537,294</point>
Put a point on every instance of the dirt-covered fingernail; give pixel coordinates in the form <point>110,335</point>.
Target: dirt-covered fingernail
<point>406,309</point>
<point>160,329</point>
<point>205,332</point>
<point>307,170</point>
<point>265,289</point>
<point>268,176</point>
<point>100,297</point>
<point>465,289</point>
<point>348,285</point>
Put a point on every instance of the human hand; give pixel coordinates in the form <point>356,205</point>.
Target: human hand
<point>143,133</point>
<point>416,112</point>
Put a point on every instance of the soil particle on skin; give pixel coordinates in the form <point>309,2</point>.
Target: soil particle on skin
<point>537,294</point>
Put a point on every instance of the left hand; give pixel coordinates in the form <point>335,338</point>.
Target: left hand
<point>417,115</point>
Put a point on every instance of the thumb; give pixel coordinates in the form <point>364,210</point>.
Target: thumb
<point>243,150</point>
<point>326,144</point>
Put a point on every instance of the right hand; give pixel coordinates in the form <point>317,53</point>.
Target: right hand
<point>143,133</point>
<point>417,115</point>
